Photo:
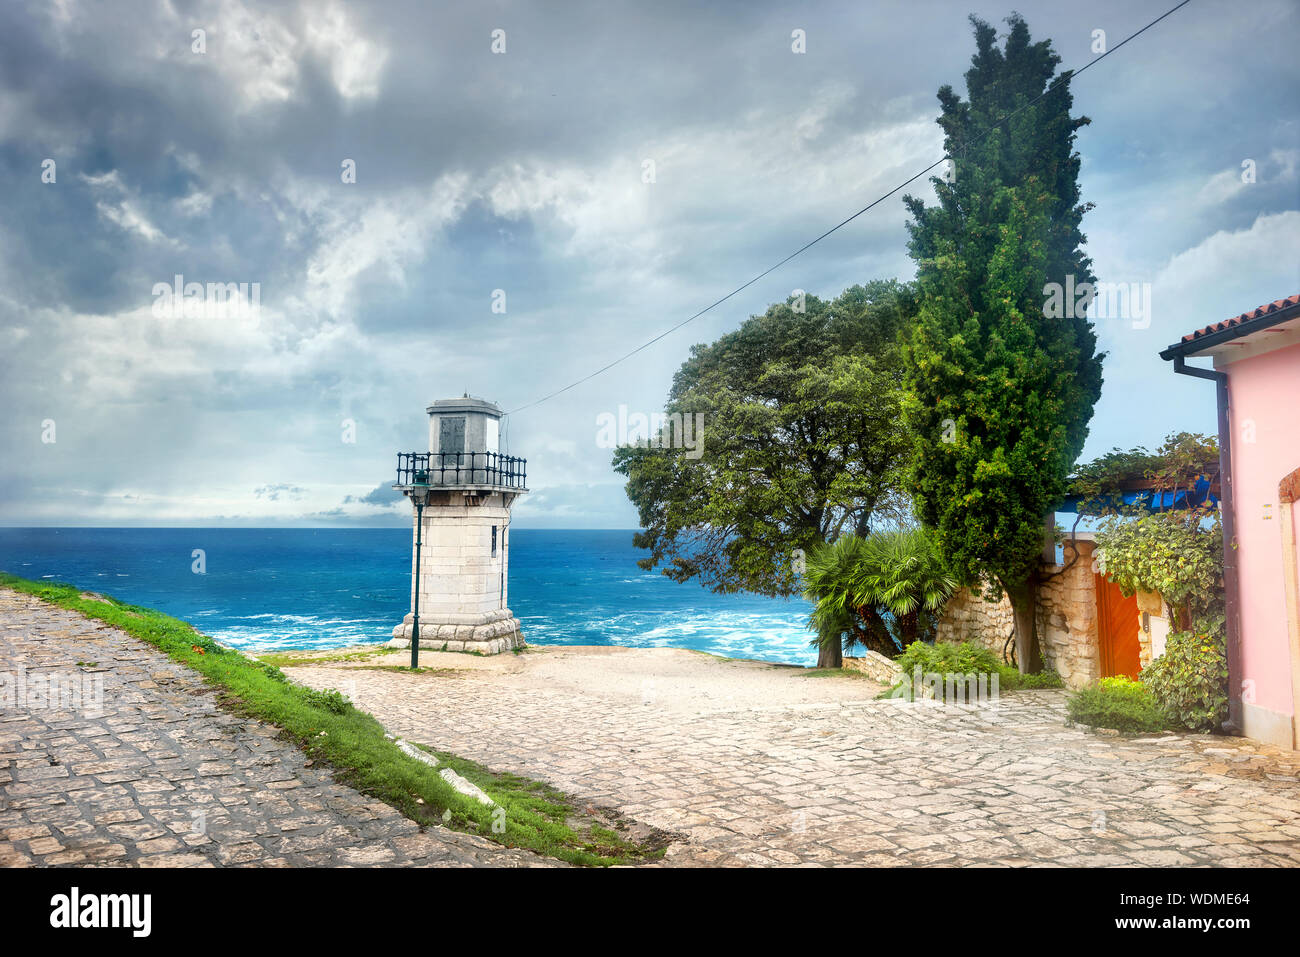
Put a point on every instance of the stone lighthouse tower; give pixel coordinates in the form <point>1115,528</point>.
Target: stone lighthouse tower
<point>461,491</point>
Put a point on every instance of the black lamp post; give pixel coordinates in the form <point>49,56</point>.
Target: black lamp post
<point>419,496</point>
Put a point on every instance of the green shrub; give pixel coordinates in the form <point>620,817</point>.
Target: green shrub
<point>1190,680</point>
<point>273,672</point>
<point>1174,556</point>
<point>330,700</point>
<point>1013,680</point>
<point>204,645</point>
<point>965,658</point>
<point>1119,703</point>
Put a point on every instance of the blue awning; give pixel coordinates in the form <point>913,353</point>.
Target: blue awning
<point>1198,496</point>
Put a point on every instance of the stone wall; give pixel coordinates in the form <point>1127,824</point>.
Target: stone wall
<point>1067,619</point>
<point>875,666</point>
<point>967,617</point>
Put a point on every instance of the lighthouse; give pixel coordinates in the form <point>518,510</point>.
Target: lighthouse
<point>461,492</point>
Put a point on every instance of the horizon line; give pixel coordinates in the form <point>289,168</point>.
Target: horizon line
<point>288,528</point>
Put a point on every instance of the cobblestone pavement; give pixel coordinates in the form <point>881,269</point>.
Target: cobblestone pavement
<point>162,777</point>
<point>760,765</point>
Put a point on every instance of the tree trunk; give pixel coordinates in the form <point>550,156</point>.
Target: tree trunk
<point>1024,606</point>
<point>871,631</point>
<point>909,627</point>
<point>830,654</point>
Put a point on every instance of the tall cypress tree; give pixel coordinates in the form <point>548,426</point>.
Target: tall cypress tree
<point>1001,392</point>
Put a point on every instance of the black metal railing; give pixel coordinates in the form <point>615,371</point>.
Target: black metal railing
<point>461,468</point>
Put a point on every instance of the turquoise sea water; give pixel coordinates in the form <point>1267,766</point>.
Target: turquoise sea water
<point>325,588</point>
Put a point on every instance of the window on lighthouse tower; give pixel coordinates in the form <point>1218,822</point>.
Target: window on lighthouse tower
<point>451,435</point>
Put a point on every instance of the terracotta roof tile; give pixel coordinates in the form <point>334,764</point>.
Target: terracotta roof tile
<point>1259,313</point>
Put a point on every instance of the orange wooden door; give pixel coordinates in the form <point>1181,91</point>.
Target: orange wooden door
<point>1117,630</point>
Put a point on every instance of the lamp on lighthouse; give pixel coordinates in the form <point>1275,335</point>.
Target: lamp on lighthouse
<point>419,498</point>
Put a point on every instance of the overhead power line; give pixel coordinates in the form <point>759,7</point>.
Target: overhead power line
<point>875,202</point>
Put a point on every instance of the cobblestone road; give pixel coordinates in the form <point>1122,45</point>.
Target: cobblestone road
<point>760,765</point>
<point>750,764</point>
<point>163,777</point>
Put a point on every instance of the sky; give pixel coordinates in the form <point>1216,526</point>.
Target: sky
<point>499,236</point>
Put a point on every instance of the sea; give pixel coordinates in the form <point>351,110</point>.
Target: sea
<point>330,588</point>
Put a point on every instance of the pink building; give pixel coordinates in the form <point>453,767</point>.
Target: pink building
<point>1257,374</point>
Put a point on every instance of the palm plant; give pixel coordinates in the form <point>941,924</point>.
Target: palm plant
<point>853,580</point>
<point>840,618</point>
<point>902,573</point>
<point>827,574</point>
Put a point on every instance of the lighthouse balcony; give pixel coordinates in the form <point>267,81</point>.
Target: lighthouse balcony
<point>461,470</point>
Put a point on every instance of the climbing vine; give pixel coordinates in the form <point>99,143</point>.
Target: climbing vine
<point>1164,553</point>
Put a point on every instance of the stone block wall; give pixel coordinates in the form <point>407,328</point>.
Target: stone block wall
<point>967,617</point>
<point>1067,617</point>
<point>875,666</point>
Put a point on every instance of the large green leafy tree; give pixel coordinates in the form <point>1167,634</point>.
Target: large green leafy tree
<point>1002,393</point>
<point>802,441</point>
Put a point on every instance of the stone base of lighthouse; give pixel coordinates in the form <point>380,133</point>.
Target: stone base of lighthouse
<point>489,633</point>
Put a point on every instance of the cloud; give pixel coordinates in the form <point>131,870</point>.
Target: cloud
<point>195,204</point>
<point>356,63</point>
<point>1233,266</point>
<point>1226,273</point>
<point>273,492</point>
<point>115,204</point>
<point>255,54</point>
<point>383,495</point>
<point>359,234</point>
<point>1278,168</point>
